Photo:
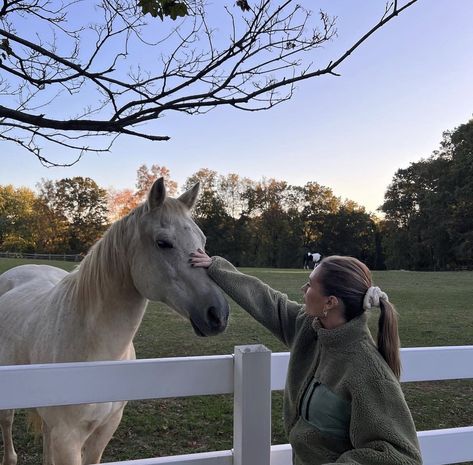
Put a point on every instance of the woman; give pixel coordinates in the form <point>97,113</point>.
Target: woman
<point>342,402</point>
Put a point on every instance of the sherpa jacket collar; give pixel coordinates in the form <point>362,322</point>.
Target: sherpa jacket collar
<point>351,332</point>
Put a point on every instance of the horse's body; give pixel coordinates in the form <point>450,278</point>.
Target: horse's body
<point>308,263</point>
<point>311,260</point>
<point>49,315</point>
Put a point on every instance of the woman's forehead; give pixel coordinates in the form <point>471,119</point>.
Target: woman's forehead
<point>314,273</point>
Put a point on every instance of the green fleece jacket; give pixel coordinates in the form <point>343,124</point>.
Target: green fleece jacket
<point>342,402</point>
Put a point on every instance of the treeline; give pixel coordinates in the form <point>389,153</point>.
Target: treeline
<point>428,209</point>
<point>271,223</point>
<point>265,223</point>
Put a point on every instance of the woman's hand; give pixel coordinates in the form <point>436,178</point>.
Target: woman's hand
<point>200,259</point>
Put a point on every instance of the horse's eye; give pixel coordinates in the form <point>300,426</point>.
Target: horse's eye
<point>164,244</point>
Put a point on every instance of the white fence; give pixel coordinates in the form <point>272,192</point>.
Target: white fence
<point>250,374</point>
<point>43,256</point>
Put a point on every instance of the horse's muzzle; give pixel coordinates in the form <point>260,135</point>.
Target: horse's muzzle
<point>214,322</point>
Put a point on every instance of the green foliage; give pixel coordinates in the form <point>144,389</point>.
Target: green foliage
<point>429,208</point>
<point>16,216</point>
<point>68,216</point>
<point>270,223</point>
<point>428,223</point>
<point>82,204</point>
<point>164,8</point>
<point>349,230</point>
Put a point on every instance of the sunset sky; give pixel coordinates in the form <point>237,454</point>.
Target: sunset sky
<point>396,95</point>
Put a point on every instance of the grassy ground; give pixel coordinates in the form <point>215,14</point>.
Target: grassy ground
<point>435,309</point>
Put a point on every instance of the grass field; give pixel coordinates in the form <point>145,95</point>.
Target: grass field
<point>435,310</point>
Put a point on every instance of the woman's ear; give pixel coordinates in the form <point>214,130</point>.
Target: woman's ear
<point>331,302</point>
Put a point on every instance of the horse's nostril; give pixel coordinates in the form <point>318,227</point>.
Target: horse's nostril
<point>215,320</point>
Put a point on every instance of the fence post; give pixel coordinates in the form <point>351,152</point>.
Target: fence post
<point>252,405</point>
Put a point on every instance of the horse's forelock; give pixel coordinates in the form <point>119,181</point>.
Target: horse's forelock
<point>172,208</point>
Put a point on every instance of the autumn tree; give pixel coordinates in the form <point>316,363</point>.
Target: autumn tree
<point>83,204</point>
<point>210,212</point>
<point>275,224</point>
<point>121,202</point>
<point>231,189</point>
<point>317,203</point>
<point>78,74</point>
<point>145,178</point>
<point>50,229</point>
<point>209,202</point>
<point>16,212</point>
<point>27,224</point>
<point>280,222</point>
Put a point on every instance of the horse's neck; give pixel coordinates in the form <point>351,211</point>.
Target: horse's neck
<point>103,327</point>
<point>108,322</point>
<point>110,307</point>
<point>115,322</point>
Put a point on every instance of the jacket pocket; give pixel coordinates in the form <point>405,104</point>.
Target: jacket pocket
<point>327,411</point>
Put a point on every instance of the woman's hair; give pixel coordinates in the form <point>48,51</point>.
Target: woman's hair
<point>348,279</point>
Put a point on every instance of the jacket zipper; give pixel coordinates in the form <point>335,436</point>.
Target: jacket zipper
<point>304,387</point>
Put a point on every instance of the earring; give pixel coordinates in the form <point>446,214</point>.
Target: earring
<point>325,313</point>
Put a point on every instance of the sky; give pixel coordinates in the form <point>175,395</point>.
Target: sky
<point>395,97</point>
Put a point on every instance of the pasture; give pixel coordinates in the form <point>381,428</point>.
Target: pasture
<point>435,309</point>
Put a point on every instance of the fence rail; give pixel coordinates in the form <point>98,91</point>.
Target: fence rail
<point>25,386</point>
<point>43,256</point>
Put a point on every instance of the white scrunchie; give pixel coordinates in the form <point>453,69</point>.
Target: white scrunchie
<point>372,296</point>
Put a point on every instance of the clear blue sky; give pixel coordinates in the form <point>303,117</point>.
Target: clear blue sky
<point>397,94</point>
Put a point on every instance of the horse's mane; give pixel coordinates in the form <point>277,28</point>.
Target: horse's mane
<point>105,265</point>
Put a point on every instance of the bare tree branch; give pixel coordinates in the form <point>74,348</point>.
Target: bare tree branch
<point>77,82</point>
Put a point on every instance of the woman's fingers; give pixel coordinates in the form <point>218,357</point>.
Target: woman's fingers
<point>201,264</point>
<point>200,259</point>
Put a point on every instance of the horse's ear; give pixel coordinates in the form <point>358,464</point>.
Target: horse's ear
<point>190,197</point>
<point>157,194</point>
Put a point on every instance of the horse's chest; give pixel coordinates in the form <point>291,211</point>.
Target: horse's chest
<point>95,415</point>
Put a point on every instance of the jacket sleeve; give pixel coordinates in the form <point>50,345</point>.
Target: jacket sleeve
<point>269,307</point>
<point>381,428</point>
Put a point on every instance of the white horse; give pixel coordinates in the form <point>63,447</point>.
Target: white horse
<point>49,315</point>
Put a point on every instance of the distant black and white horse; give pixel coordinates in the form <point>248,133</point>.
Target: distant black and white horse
<point>311,260</point>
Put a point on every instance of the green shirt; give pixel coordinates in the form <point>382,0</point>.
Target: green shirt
<point>342,402</point>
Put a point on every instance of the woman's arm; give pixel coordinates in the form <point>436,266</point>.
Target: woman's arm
<point>271,308</point>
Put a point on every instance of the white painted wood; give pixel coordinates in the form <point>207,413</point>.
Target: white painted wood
<point>252,406</point>
<point>438,447</point>
<point>251,374</point>
<point>437,363</point>
<point>64,384</point>
<point>281,454</point>
<point>224,457</point>
<point>418,364</point>
<point>86,382</point>
<point>453,445</point>
<point>279,364</point>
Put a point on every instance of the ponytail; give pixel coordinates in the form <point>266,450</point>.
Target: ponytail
<point>388,336</point>
<point>350,280</point>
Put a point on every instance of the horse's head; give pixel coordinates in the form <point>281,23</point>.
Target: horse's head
<point>160,268</point>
